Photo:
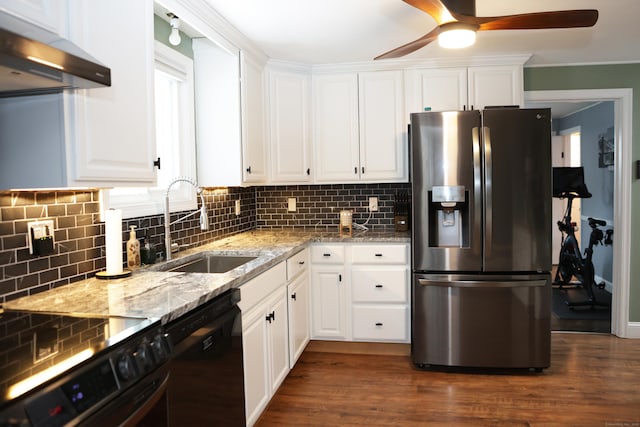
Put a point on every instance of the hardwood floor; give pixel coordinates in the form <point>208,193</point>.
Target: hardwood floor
<point>594,380</point>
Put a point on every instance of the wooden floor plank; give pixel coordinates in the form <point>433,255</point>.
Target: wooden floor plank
<point>594,380</point>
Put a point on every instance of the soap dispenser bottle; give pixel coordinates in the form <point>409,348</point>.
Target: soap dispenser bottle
<point>133,250</point>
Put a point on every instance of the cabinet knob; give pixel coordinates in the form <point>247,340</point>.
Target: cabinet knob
<point>270,317</point>
<point>293,296</point>
<point>326,254</point>
<point>378,324</point>
<point>378,286</point>
<point>308,171</point>
<point>156,163</point>
<point>378,255</point>
<point>355,170</point>
<point>339,277</point>
<point>363,169</point>
<point>249,169</point>
<point>301,262</point>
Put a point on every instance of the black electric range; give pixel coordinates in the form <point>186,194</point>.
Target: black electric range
<point>59,369</point>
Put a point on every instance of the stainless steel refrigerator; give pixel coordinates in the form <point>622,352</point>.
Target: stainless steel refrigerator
<point>481,238</point>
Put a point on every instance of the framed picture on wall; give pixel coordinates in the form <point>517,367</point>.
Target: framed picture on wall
<point>606,148</point>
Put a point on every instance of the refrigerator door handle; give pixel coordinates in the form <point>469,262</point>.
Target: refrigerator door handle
<point>482,283</point>
<point>477,189</point>
<point>488,199</point>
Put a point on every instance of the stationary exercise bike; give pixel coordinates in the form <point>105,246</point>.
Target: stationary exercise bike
<point>569,184</point>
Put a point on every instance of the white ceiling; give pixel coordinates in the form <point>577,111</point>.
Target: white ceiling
<point>336,31</point>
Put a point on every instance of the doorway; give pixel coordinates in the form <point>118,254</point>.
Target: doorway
<point>565,151</point>
<point>622,99</point>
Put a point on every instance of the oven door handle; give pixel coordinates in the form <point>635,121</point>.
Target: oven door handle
<point>148,405</point>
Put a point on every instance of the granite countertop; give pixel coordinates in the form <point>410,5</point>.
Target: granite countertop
<point>152,293</point>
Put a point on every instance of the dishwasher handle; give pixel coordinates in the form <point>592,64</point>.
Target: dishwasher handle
<point>195,336</point>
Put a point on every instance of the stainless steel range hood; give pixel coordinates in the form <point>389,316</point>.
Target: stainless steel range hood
<point>35,61</point>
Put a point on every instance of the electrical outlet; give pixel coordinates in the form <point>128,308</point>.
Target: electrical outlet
<point>291,204</point>
<point>40,237</point>
<point>373,204</point>
<point>237,207</point>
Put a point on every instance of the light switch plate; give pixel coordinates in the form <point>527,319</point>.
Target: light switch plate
<point>291,204</point>
<point>237,207</point>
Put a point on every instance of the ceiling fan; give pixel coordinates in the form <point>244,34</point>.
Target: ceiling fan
<point>458,23</point>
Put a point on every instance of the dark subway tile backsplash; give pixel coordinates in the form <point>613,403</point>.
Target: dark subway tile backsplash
<point>79,235</point>
<point>318,206</point>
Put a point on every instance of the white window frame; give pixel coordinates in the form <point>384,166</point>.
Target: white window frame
<point>150,201</point>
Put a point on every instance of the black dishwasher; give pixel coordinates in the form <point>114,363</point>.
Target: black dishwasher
<point>206,386</point>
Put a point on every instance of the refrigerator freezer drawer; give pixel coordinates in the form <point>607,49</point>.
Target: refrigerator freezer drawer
<point>482,322</point>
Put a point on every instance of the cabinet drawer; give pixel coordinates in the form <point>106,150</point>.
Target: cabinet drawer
<point>379,322</point>
<point>380,254</point>
<point>258,288</point>
<point>297,263</point>
<point>327,254</point>
<point>388,285</point>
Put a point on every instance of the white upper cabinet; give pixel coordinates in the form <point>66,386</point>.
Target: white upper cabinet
<point>440,89</point>
<point>100,137</point>
<point>495,86</point>
<point>359,127</point>
<point>383,150</point>
<point>111,131</point>
<point>47,14</point>
<point>459,88</point>
<point>288,126</point>
<point>254,151</point>
<point>217,99</point>
<point>335,127</point>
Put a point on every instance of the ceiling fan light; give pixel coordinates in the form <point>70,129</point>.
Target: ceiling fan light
<point>456,35</point>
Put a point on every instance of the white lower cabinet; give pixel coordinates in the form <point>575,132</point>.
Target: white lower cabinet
<point>265,338</point>
<point>275,329</point>
<point>360,292</point>
<point>298,304</point>
<point>329,303</point>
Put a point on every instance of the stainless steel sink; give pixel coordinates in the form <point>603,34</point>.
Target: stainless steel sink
<point>213,264</point>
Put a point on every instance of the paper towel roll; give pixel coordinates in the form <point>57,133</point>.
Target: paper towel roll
<point>113,240</point>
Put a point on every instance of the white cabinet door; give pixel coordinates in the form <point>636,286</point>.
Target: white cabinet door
<point>256,370</point>
<point>495,86</point>
<point>382,127</point>
<point>335,124</point>
<point>289,98</point>
<point>329,302</point>
<point>298,300</point>
<point>111,131</point>
<point>47,14</point>
<point>254,153</point>
<point>454,89</point>
<point>278,327</point>
<point>439,89</point>
<point>218,137</point>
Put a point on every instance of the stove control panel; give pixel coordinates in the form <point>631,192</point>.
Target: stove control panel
<point>75,395</point>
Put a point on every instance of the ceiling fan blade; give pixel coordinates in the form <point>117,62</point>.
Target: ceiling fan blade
<point>435,8</point>
<point>411,46</point>
<point>532,21</point>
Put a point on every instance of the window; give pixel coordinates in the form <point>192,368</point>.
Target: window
<point>175,140</point>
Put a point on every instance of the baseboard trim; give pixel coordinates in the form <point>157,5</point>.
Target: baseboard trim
<point>349,347</point>
<point>633,330</point>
